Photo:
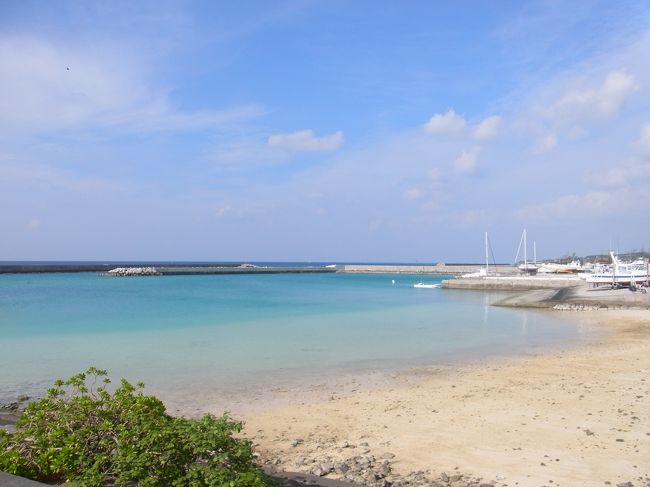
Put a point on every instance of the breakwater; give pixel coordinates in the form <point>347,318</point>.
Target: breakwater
<point>441,269</point>
<point>512,282</point>
<point>156,268</point>
<point>43,268</point>
<point>189,271</point>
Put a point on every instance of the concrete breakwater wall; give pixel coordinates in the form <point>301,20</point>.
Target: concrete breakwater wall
<point>190,271</point>
<point>512,282</point>
<point>421,269</point>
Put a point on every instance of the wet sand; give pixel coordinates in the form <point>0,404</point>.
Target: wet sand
<point>574,416</point>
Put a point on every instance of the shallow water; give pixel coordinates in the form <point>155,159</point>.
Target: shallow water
<point>225,330</point>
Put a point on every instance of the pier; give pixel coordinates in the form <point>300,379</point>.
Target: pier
<point>439,269</point>
<point>513,282</point>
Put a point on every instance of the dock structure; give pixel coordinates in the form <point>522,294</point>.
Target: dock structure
<point>509,283</point>
<point>440,269</point>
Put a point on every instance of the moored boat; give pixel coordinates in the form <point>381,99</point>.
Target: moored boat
<point>422,285</point>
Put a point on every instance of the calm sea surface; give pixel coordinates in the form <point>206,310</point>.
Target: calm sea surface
<point>173,331</point>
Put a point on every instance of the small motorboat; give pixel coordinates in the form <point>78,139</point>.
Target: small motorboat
<point>427,286</point>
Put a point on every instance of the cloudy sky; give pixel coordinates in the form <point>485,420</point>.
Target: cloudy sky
<point>322,130</point>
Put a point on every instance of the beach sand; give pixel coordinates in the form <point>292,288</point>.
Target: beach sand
<point>577,416</point>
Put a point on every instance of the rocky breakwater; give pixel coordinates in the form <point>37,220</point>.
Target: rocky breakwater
<point>133,271</point>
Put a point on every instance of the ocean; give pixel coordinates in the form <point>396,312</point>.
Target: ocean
<point>222,331</point>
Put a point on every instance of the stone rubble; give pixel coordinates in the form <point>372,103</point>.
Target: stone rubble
<point>133,271</point>
<point>371,471</point>
<point>377,471</point>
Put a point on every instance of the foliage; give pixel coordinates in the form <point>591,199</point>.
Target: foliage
<point>82,433</point>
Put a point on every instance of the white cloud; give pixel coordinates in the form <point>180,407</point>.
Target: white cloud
<point>644,140</point>
<point>43,176</point>
<point>592,204</point>
<point>34,224</point>
<point>631,172</point>
<point>412,194</point>
<point>434,174</point>
<point>447,123</point>
<point>248,151</point>
<point>306,140</point>
<point>545,144</point>
<point>224,210</point>
<point>472,217</point>
<point>47,86</point>
<point>466,162</point>
<point>488,128</point>
<point>588,103</point>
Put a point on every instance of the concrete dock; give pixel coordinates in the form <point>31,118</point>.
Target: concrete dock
<point>440,269</point>
<point>514,282</point>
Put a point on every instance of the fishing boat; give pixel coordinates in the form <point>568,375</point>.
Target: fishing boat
<point>621,273</point>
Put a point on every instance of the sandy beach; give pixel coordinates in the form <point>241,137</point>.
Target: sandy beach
<point>574,416</point>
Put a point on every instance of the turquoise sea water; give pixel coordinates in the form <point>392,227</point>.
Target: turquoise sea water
<point>175,331</point>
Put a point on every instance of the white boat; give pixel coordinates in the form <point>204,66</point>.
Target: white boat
<point>621,273</point>
<point>555,268</point>
<point>527,267</point>
<point>422,285</point>
<point>482,272</point>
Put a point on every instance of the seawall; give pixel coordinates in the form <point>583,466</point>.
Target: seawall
<point>447,269</point>
<point>512,282</point>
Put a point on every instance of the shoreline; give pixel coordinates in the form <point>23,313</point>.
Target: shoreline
<point>574,415</point>
<point>568,414</point>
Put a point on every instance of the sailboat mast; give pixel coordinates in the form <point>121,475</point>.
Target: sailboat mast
<point>535,252</point>
<point>487,260</point>
<point>525,252</point>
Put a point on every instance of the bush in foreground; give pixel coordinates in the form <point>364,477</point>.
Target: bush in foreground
<point>82,433</point>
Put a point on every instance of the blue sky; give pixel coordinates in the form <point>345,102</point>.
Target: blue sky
<point>322,130</point>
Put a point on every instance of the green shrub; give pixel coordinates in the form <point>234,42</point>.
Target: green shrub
<point>82,433</point>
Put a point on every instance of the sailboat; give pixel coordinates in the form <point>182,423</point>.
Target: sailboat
<point>483,271</point>
<point>527,267</point>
